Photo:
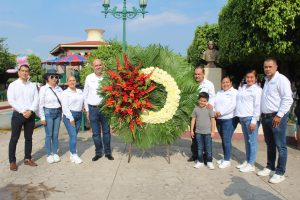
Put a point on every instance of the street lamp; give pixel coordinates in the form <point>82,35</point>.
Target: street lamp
<point>124,14</point>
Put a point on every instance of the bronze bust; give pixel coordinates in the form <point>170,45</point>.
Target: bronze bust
<point>211,55</point>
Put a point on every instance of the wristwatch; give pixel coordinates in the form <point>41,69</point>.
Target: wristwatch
<point>31,111</point>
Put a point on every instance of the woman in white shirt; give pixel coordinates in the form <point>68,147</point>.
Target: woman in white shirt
<point>72,101</point>
<point>226,121</point>
<point>50,111</point>
<point>248,111</point>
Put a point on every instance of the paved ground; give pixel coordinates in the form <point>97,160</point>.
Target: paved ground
<point>147,176</point>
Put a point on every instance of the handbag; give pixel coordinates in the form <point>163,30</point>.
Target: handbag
<point>56,97</point>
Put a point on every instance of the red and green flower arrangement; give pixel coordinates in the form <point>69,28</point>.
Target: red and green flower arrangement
<point>128,95</point>
<point>128,91</point>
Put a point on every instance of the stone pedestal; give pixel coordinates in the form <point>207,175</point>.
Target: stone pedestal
<point>215,75</point>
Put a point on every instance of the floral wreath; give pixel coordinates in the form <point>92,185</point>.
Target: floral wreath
<point>144,104</point>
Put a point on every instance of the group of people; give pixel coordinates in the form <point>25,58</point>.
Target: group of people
<point>249,105</point>
<point>55,105</point>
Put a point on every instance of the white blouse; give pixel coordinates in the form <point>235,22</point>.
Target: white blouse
<point>48,99</point>
<point>248,102</point>
<point>225,103</point>
<point>72,101</point>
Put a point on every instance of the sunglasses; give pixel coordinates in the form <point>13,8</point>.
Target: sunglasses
<point>52,77</point>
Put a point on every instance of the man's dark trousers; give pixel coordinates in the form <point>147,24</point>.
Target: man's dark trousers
<point>17,121</point>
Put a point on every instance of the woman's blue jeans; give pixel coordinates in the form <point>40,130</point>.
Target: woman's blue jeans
<point>73,131</point>
<point>250,139</point>
<point>226,127</point>
<point>53,117</point>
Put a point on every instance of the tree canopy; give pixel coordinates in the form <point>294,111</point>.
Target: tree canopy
<point>251,30</point>
<point>203,34</point>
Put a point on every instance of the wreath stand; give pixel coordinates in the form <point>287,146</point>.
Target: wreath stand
<point>129,154</point>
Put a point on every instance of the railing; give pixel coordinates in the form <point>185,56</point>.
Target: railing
<point>3,95</point>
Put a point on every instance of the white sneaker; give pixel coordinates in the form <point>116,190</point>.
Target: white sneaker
<point>210,165</point>
<point>50,159</point>
<point>220,161</point>
<point>224,164</point>
<point>56,158</point>
<point>277,178</point>
<point>265,172</point>
<point>75,158</point>
<point>198,164</point>
<point>247,168</point>
<point>244,164</point>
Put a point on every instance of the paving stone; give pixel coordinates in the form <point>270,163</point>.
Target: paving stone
<point>147,176</point>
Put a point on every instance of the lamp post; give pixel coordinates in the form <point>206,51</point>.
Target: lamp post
<point>124,14</point>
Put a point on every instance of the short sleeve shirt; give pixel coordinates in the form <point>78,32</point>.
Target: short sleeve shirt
<point>203,123</point>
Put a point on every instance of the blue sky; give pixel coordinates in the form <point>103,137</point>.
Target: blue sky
<point>37,26</point>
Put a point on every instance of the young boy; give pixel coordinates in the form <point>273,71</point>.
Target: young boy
<point>205,130</point>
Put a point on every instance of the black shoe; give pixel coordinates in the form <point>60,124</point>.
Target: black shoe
<point>191,159</point>
<point>97,157</point>
<point>109,157</point>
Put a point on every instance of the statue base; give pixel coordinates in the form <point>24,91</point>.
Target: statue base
<point>215,76</point>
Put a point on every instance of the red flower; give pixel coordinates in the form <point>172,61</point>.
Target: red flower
<point>131,95</point>
<point>130,88</point>
<point>130,112</point>
<point>149,105</point>
<point>136,101</point>
<point>125,97</point>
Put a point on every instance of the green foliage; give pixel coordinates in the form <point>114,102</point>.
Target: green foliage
<point>203,34</point>
<point>105,53</point>
<point>7,60</point>
<point>151,134</point>
<point>35,67</point>
<point>251,30</point>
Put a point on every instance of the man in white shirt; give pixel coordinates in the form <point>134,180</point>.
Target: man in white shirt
<point>92,101</point>
<point>23,96</point>
<point>276,101</point>
<point>208,87</point>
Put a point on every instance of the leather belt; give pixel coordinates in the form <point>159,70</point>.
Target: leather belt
<point>268,115</point>
<point>94,106</point>
<point>18,112</point>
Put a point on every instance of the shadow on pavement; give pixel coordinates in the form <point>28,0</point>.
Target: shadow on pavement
<point>245,190</point>
<point>182,146</point>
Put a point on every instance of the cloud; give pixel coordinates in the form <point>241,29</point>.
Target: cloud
<point>206,13</point>
<point>53,39</point>
<point>154,21</point>
<point>27,52</point>
<point>13,24</point>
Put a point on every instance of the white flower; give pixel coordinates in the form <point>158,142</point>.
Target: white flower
<point>172,101</point>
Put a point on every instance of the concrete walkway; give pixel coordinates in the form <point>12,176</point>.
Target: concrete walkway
<point>147,176</point>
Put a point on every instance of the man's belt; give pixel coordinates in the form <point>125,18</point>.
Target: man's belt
<point>94,106</point>
<point>268,115</point>
<point>18,112</point>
